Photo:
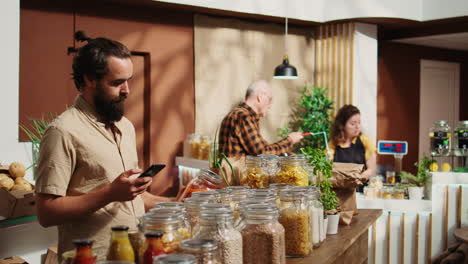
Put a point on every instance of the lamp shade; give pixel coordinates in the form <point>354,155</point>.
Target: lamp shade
<point>285,70</point>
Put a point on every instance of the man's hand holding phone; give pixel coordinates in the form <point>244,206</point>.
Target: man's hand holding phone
<point>123,188</point>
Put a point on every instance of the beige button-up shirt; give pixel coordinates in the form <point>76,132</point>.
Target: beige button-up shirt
<point>77,156</point>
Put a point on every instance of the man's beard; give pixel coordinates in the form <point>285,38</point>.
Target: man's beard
<point>109,110</point>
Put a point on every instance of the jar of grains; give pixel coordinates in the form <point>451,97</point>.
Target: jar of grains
<point>294,216</point>
<point>219,227</point>
<point>253,174</point>
<point>263,236</point>
<point>316,214</point>
<point>192,205</point>
<point>206,251</point>
<point>292,171</point>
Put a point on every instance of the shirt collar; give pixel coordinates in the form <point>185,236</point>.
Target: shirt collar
<point>250,110</point>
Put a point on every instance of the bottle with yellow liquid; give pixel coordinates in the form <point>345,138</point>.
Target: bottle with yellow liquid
<point>120,249</point>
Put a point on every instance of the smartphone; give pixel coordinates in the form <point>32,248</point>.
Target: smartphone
<point>152,170</point>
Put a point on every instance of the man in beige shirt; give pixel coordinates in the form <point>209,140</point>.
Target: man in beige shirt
<point>86,180</point>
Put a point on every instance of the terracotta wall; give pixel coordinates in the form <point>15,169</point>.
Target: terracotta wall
<point>398,93</point>
<point>167,35</point>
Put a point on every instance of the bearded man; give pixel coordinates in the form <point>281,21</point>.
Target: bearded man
<point>88,156</point>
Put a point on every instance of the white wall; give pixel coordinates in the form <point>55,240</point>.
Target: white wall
<point>365,76</point>
<point>10,149</point>
<point>438,9</point>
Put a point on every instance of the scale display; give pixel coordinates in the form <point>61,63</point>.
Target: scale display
<point>388,147</point>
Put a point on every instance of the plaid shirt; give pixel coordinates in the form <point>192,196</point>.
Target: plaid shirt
<point>239,135</point>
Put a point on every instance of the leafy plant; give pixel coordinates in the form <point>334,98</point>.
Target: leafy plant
<point>323,170</point>
<point>35,132</point>
<point>312,113</point>
<point>421,178</point>
<point>216,161</point>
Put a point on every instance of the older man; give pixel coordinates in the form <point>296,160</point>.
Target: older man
<point>240,131</point>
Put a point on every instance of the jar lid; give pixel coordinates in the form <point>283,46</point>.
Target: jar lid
<point>166,211</point>
<point>153,235</point>
<point>175,259</point>
<point>195,202</point>
<point>280,186</point>
<point>169,205</point>
<point>220,216</point>
<point>293,193</point>
<point>211,193</point>
<point>198,245</point>
<point>120,228</point>
<point>214,206</point>
<point>210,175</point>
<point>83,242</point>
<point>260,211</point>
<point>237,188</point>
<point>154,217</point>
<point>268,157</point>
<point>441,123</point>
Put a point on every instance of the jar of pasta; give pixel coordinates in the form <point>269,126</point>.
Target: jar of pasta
<point>292,171</point>
<point>168,226</point>
<point>253,174</point>
<point>204,148</point>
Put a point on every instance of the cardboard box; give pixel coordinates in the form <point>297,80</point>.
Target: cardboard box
<point>16,203</point>
<point>13,260</point>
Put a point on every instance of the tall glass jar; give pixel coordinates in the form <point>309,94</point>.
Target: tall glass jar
<point>204,150</point>
<point>168,225</point>
<point>440,138</point>
<point>237,194</point>
<point>206,251</point>
<point>270,165</point>
<point>239,223</point>
<point>176,259</point>
<point>294,217</point>
<point>204,181</point>
<point>292,171</point>
<point>193,206</point>
<point>316,216</point>
<point>219,227</point>
<point>263,236</point>
<point>192,146</point>
<point>461,139</point>
<point>184,223</point>
<point>84,252</point>
<point>253,174</point>
<point>120,246</point>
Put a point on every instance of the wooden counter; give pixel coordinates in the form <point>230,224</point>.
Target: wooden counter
<point>349,246</point>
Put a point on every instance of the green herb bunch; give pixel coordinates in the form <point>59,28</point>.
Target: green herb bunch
<point>323,170</point>
<point>216,161</point>
<point>422,177</point>
<point>312,113</point>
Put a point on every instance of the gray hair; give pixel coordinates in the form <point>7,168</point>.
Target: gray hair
<point>254,88</point>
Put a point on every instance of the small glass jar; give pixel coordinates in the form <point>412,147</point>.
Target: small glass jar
<point>440,138</point>
<point>263,236</point>
<point>398,193</point>
<point>376,181</point>
<point>120,247</point>
<point>292,171</point>
<point>193,207</point>
<point>253,174</point>
<point>219,227</point>
<point>151,248</point>
<point>294,216</point>
<point>270,165</point>
<point>206,251</point>
<point>168,225</point>
<point>84,252</point>
<point>461,139</point>
<point>371,192</point>
<point>387,193</point>
<point>204,181</point>
<point>192,146</point>
<point>204,149</point>
<point>176,259</point>
<point>390,176</point>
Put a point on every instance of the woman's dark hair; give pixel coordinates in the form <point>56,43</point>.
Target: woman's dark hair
<point>92,58</point>
<point>337,128</point>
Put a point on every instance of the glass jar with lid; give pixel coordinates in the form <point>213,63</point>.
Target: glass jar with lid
<point>440,137</point>
<point>193,206</point>
<point>292,171</point>
<point>263,194</point>
<point>386,192</point>
<point>262,236</point>
<point>204,149</point>
<point>253,174</point>
<point>83,252</point>
<point>192,146</point>
<point>460,138</point>
<point>270,165</point>
<point>239,223</point>
<point>237,195</point>
<point>316,215</point>
<point>294,216</point>
<point>205,250</point>
<point>168,225</point>
<point>176,259</point>
<point>278,187</point>
<point>204,181</point>
<point>219,227</point>
<point>184,225</point>
<point>398,193</point>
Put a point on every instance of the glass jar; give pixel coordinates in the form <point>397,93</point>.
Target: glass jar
<point>294,216</point>
<point>237,195</point>
<point>398,193</point>
<point>376,181</point>
<point>253,174</point>
<point>461,139</point>
<point>84,252</point>
<point>292,171</point>
<point>204,181</point>
<point>263,194</point>
<point>440,138</point>
<point>387,193</point>
<point>192,146</point>
<point>120,246</point>
<point>239,223</point>
<point>219,227</point>
<point>270,165</point>
<point>263,236</point>
<point>206,251</point>
<point>278,187</point>
<point>193,206</point>
<point>316,216</point>
<point>168,225</point>
<point>151,248</point>
<point>184,223</point>
<point>204,149</point>
<point>176,259</point>
<point>213,195</point>
<point>390,176</point>
<point>371,192</point>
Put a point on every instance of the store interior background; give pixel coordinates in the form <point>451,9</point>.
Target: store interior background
<point>164,35</point>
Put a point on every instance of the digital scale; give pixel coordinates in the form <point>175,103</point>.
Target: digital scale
<point>396,148</point>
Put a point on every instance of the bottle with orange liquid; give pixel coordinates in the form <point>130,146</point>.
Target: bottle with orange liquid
<point>84,252</point>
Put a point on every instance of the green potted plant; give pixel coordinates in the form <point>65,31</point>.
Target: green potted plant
<point>312,113</point>
<point>322,168</point>
<point>416,183</point>
<point>216,162</point>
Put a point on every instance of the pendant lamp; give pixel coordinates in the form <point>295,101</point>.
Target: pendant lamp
<point>285,70</point>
